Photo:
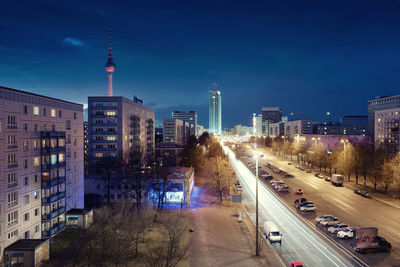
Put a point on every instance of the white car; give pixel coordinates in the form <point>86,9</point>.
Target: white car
<point>323,218</point>
<point>346,233</point>
<point>308,208</point>
<point>279,185</point>
<point>330,222</point>
<point>338,227</point>
<point>275,181</point>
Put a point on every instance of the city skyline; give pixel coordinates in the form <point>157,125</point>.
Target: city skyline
<point>332,51</point>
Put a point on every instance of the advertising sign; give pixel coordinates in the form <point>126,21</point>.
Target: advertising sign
<point>366,238</point>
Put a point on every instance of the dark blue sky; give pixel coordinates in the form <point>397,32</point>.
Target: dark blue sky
<point>307,57</point>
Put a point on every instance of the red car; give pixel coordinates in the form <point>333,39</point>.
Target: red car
<point>299,191</point>
<point>296,264</point>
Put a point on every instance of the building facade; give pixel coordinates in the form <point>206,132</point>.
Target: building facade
<point>270,115</point>
<point>378,104</point>
<point>189,117</point>
<point>215,115</point>
<point>387,129</point>
<point>118,126</point>
<point>329,141</point>
<point>42,164</point>
<point>292,128</point>
<point>173,131</point>
<point>276,129</point>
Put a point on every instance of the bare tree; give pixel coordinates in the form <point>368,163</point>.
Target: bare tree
<point>220,171</point>
<point>108,169</point>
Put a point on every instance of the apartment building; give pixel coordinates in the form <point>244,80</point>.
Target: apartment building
<point>41,164</point>
<point>387,126</point>
<point>293,128</point>
<point>173,131</point>
<point>118,126</point>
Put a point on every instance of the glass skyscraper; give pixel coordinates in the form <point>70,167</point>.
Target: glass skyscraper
<point>215,112</point>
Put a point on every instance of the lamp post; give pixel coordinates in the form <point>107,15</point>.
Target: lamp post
<point>256,156</point>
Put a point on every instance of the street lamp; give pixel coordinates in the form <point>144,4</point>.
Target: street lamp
<point>256,156</point>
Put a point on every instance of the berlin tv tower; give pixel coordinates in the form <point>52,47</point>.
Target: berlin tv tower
<point>110,65</point>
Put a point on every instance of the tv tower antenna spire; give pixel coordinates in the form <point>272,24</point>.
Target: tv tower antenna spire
<point>110,65</point>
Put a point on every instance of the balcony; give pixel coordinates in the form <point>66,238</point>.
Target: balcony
<point>11,185</point>
<point>12,146</point>
<point>48,150</point>
<point>12,165</point>
<point>49,166</point>
<point>54,230</point>
<point>134,125</point>
<point>53,182</point>
<point>104,149</point>
<point>12,126</point>
<point>53,198</point>
<point>104,133</point>
<point>53,214</point>
<point>135,118</point>
<point>104,141</point>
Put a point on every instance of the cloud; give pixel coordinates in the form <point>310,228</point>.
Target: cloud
<point>73,41</point>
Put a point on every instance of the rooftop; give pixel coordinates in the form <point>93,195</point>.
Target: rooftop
<point>180,172</point>
<point>25,244</point>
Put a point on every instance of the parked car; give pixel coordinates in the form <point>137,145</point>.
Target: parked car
<point>301,168</point>
<point>304,204</point>
<point>288,175</point>
<point>284,189</point>
<point>365,194</point>
<point>316,174</point>
<point>328,179</point>
<point>320,176</point>
<point>275,181</point>
<point>296,264</point>
<point>268,177</point>
<point>338,227</point>
<point>308,207</point>
<point>279,185</point>
<point>346,233</point>
<point>289,163</point>
<point>300,200</point>
<point>308,171</point>
<point>299,191</point>
<point>323,217</point>
<point>297,166</point>
<point>330,221</point>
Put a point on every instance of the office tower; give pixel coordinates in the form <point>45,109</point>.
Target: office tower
<point>215,123</point>
<point>270,115</point>
<point>41,154</point>
<point>293,128</point>
<point>119,127</point>
<point>173,131</point>
<point>189,117</point>
<point>257,124</point>
<point>380,103</point>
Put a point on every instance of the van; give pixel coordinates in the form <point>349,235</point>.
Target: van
<point>272,232</point>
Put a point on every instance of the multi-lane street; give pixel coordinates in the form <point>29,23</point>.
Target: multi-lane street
<point>301,238</point>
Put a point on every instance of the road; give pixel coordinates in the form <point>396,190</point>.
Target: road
<point>343,203</point>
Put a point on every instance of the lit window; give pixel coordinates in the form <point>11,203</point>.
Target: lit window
<point>53,159</point>
<point>53,112</point>
<point>35,110</point>
<point>111,113</point>
<point>99,155</point>
<point>111,138</point>
<point>36,161</point>
<point>61,157</point>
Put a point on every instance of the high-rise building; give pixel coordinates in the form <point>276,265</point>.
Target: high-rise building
<point>257,124</point>
<point>215,123</point>
<point>387,129</point>
<point>380,103</point>
<point>173,131</point>
<point>270,115</point>
<point>355,120</point>
<point>119,127</point>
<point>41,154</point>
<point>189,117</point>
<point>85,146</point>
<point>158,135</point>
<point>293,128</point>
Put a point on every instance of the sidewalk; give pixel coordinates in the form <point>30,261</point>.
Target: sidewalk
<point>384,198</point>
<point>218,238</point>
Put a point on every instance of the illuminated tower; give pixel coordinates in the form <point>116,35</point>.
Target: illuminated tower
<point>110,65</point>
<point>215,111</point>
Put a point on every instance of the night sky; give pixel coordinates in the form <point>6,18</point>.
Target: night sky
<point>308,57</point>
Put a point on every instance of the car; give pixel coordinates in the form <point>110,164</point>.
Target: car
<point>357,191</point>
<point>268,177</point>
<point>338,227</point>
<point>288,175</point>
<point>297,166</point>
<point>365,194</point>
<point>308,207</point>
<point>284,189</point>
<point>308,171</point>
<point>299,191</point>
<point>320,176</point>
<point>304,204</point>
<point>346,233</point>
<point>250,155</point>
<point>296,264</point>
<point>328,179</point>
<point>316,174</point>
<point>279,185</point>
<point>301,168</point>
<point>300,200</point>
<point>330,222</point>
<point>289,163</point>
<point>275,181</point>
<point>323,217</point>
